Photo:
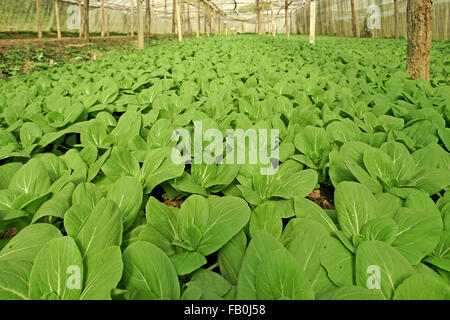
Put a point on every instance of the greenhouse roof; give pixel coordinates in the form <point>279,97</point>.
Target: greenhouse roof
<point>244,8</point>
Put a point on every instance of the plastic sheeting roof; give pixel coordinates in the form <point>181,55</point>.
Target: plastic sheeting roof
<point>236,8</point>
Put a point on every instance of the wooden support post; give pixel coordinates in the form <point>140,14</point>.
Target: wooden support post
<point>395,20</point>
<point>214,21</point>
<point>263,16</point>
<point>58,24</point>
<point>152,16</point>
<point>86,20</point>
<point>286,19</point>
<point>38,19</point>
<point>312,22</point>
<point>174,19</point>
<point>107,22</point>
<point>198,19</point>
<point>220,22</point>
<point>180,35</point>
<point>352,4</point>
<point>189,17</point>
<point>80,20</point>
<point>258,20</point>
<point>132,18</point>
<point>102,8</point>
<point>208,19</point>
<point>304,20</point>
<point>140,23</point>
<point>273,20</point>
<point>418,14</point>
<point>330,12</point>
<point>148,17</point>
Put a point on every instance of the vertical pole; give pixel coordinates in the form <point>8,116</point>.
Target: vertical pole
<point>148,17</point>
<point>330,12</point>
<point>198,20</point>
<point>263,16</point>
<point>286,22</point>
<point>107,21</point>
<point>86,20</point>
<point>102,6</point>
<point>180,36</point>
<point>258,21</point>
<point>273,19</point>
<point>418,14</point>
<point>312,22</point>
<point>304,20</point>
<point>58,25</point>
<point>174,19</point>
<point>38,19</point>
<point>80,20</point>
<point>152,16</point>
<point>132,18</point>
<point>140,23</point>
<point>189,17</point>
<point>352,4</point>
<point>208,18</point>
<point>214,21</point>
<point>395,20</point>
<point>220,21</point>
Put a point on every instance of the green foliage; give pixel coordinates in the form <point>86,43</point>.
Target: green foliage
<point>102,211</point>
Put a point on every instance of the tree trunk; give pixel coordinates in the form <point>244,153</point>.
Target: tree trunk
<point>352,3</point>
<point>180,34</point>
<point>148,18</point>
<point>58,24</point>
<point>86,20</point>
<point>395,20</point>
<point>102,8</point>
<point>140,24</point>
<point>418,13</point>
<point>38,19</point>
<point>312,22</point>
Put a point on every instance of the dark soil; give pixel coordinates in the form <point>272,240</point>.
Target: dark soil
<point>323,197</point>
<point>8,234</point>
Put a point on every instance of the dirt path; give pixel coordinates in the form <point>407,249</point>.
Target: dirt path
<point>8,44</point>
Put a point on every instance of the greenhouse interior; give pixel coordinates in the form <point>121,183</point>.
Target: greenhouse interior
<point>224,150</point>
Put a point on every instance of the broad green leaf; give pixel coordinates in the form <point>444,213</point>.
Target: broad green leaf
<point>14,279</point>
<point>418,233</point>
<point>102,229</point>
<point>57,270</point>
<point>280,277</point>
<point>102,274</point>
<point>261,243</point>
<point>422,287</point>
<point>355,205</point>
<point>148,269</point>
<point>126,192</point>
<point>227,216</point>
<point>378,265</point>
<point>265,217</point>
<point>29,241</point>
<point>31,178</point>
<point>230,257</point>
<point>338,261</point>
